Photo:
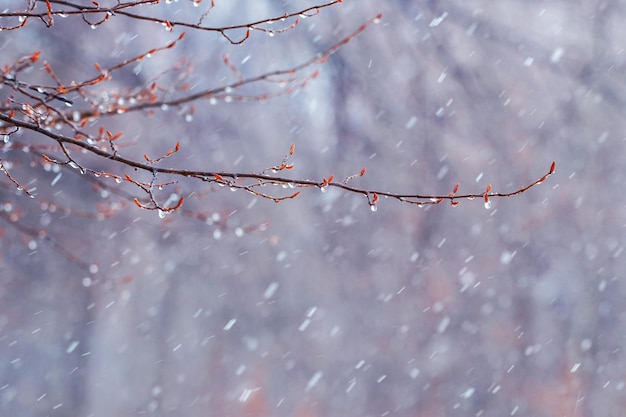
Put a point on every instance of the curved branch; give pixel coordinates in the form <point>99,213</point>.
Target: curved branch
<point>121,9</point>
<point>234,179</point>
<point>42,115</point>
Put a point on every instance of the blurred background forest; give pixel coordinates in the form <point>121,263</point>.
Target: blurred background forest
<point>318,306</point>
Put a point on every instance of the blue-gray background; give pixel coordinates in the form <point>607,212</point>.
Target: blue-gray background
<point>322,307</point>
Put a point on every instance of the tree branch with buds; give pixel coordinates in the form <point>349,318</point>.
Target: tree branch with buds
<point>48,110</point>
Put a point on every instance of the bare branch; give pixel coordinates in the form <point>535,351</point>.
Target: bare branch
<point>233,179</point>
<point>36,104</point>
<point>102,14</point>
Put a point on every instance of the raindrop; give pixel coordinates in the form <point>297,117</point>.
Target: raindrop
<point>506,257</point>
<point>72,346</point>
<point>557,54</point>
<point>270,290</point>
<point>586,344</point>
<point>56,179</point>
<point>162,214</point>
<point>487,205</point>
<point>351,385</point>
<point>304,325</point>
<point>437,21</point>
<point>314,380</point>
<point>230,324</point>
<point>373,207</point>
<point>468,393</point>
<point>442,172</point>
